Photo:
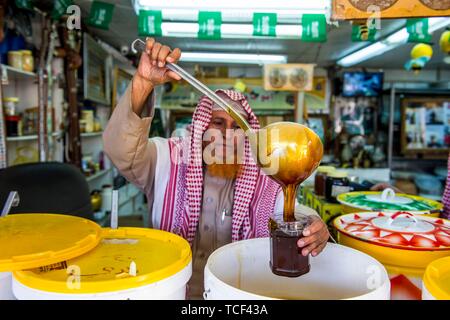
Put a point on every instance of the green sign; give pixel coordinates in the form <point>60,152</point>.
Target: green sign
<point>24,4</point>
<point>209,24</point>
<point>418,30</point>
<point>264,24</point>
<point>149,23</point>
<point>314,28</point>
<point>60,8</point>
<point>362,33</point>
<point>101,14</point>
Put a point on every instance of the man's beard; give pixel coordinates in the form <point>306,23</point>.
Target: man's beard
<point>226,171</point>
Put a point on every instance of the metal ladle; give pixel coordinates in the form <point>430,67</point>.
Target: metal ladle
<point>288,152</point>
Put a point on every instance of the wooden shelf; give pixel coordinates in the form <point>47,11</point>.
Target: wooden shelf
<point>97,175</point>
<point>30,137</point>
<point>91,134</point>
<point>18,74</point>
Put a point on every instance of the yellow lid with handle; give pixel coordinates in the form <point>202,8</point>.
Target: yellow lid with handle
<point>34,239</point>
<point>437,278</point>
<point>126,258</point>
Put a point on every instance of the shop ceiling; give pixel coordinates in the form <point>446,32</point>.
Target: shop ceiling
<point>123,30</point>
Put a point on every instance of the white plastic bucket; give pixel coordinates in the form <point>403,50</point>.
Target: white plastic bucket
<point>172,288</point>
<point>5,286</point>
<point>241,271</point>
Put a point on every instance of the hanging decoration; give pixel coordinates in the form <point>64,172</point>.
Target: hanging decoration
<point>264,24</point>
<point>420,55</point>
<point>314,28</point>
<point>418,30</point>
<point>60,8</point>
<point>361,32</point>
<point>149,23</point>
<point>101,14</point>
<point>444,43</point>
<point>209,24</point>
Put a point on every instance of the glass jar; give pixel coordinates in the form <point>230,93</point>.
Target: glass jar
<point>286,257</point>
<point>27,60</point>
<point>13,126</point>
<point>320,179</point>
<point>15,59</point>
<point>336,183</point>
<point>10,104</point>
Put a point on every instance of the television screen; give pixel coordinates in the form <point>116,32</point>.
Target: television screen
<point>362,84</point>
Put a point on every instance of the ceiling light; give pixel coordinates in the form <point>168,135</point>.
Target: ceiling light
<point>259,59</point>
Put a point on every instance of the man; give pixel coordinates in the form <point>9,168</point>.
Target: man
<point>209,203</point>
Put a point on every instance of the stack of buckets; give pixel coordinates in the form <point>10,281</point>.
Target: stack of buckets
<point>50,256</point>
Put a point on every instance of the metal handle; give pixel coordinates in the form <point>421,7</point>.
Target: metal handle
<point>388,195</point>
<point>139,46</point>
<point>12,201</point>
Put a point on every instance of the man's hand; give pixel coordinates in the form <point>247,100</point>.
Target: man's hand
<point>315,238</point>
<point>152,72</point>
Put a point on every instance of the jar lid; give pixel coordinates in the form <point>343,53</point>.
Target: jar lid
<point>11,99</point>
<point>326,169</point>
<point>15,52</point>
<point>338,174</point>
<point>12,118</point>
<point>26,51</point>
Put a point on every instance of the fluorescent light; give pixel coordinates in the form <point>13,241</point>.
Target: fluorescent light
<point>287,11</point>
<point>232,58</point>
<point>230,30</point>
<point>394,40</point>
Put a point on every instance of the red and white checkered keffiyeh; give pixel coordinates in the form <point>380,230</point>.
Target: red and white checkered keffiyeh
<point>446,196</point>
<point>254,194</point>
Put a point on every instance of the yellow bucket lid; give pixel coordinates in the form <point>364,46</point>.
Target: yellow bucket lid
<point>32,240</point>
<point>157,255</point>
<point>437,278</point>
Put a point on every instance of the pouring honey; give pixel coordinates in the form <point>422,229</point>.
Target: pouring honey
<point>287,152</point>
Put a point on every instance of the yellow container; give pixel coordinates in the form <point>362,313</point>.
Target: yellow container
<point>27,60</point>
<point>15,59</point>
<point>34,240</point>
<point>436,280</point>
<point>129,263</point>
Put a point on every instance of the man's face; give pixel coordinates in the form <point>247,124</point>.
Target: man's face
<point>223,144</point>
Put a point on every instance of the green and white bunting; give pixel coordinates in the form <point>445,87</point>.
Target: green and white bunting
<point>149,23</point>
<point>24,4</point>
<point>264,24</point>
<point>314,28</point>
<point>101,14</point>
<point>362,32</point>
<point>418,30</point>
<point>60,8</point>
<point>209,24</point>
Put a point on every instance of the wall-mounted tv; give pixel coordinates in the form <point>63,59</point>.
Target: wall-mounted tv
<point>362,84</point>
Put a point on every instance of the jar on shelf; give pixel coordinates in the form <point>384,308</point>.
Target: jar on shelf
<point>13,125</point>
<point>10,105</point>
<point>336,183</point>
<point>320,179</point>
<point>15,59</point>
<point>27,60</point>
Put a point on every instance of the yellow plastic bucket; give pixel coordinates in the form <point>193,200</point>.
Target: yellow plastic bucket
<point>37,239</point>
<point>436,280</point>
<point>129,263</point>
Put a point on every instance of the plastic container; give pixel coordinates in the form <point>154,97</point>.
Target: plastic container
<point>129,263</point>
<point>27,60</point>
<point>320,179</point>
<point>286,258</point>
<point>240,271</point>
<point>36,240</point>
<point>436,280</point>
<point>336,183</point>
<point>405,243</point>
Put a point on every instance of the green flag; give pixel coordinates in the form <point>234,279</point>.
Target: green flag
<point>209,24</point>
<point>149,23</point>
<point>362,33</point>
<point>101,14</point>
<point>60,8</point>
<point>264,24</point>
<point>314,28</point>
<point>418,30</point>
<point>24,4</point>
